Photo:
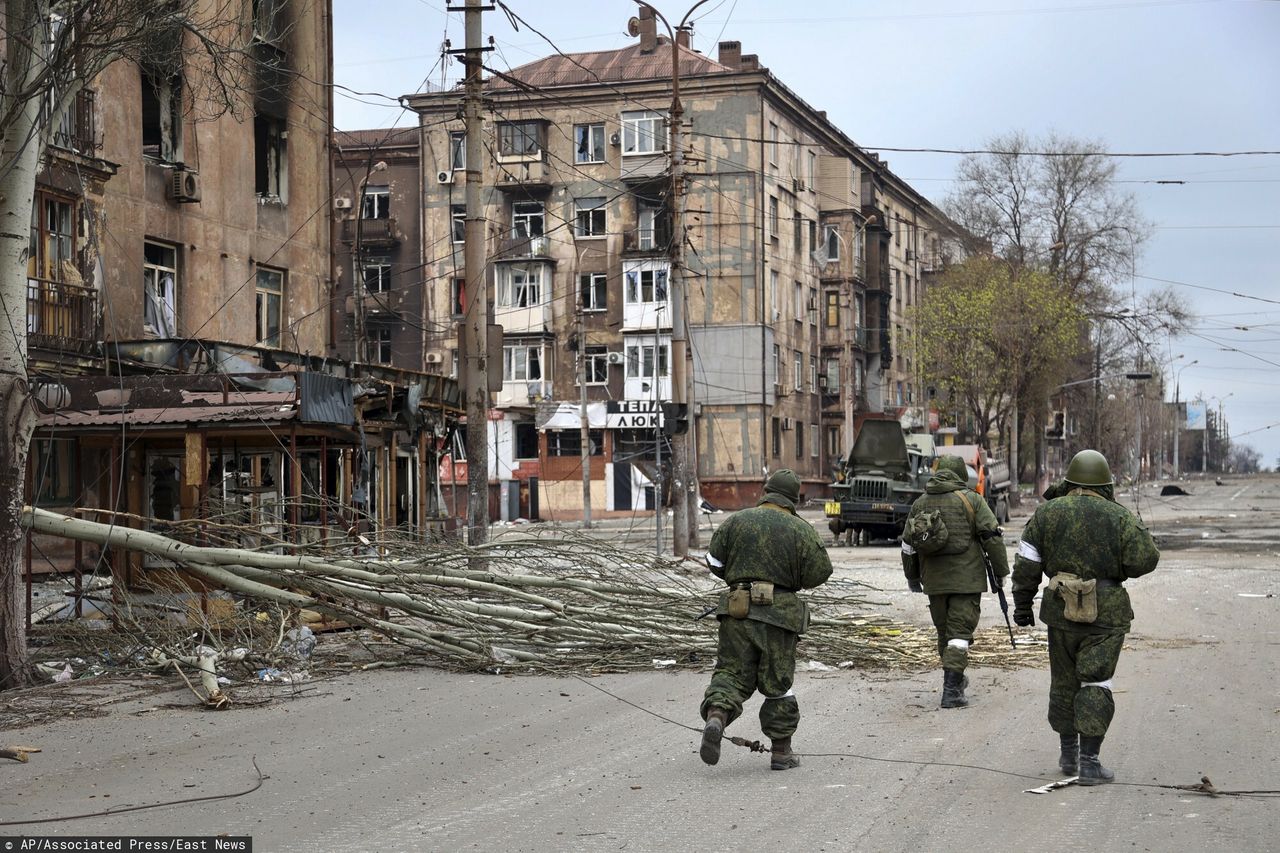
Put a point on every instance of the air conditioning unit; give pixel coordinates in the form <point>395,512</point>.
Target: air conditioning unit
<point>797,185</point>
<point>444,176</point>
<point>184,186</point>
<point>434,356</point>
<point>535,172</point>
<point>615,139</point>
<point>788,423</point>
<point>615,358</point>
<point>911,256</point>
<point>342,203</point>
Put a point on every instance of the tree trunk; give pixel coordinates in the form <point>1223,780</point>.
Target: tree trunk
<point>19,160</point>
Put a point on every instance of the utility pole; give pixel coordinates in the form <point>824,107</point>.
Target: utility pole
<point>684,479</point>
<point>475,331</point>
<point>584,424</point>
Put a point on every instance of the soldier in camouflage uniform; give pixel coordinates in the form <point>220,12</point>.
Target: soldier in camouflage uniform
<point>1085,534</point>
<point>956,576</point>
<point>768,544</point>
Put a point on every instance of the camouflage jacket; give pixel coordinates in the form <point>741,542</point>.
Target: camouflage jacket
<point>769,543</point>
<point>960,567</point>
<point>1089,536</point>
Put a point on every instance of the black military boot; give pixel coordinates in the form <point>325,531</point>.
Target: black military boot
<point>717,719</point>
<point>781,757</point>
<point>1069,760</point>
<point>953,685</point>
<point>1091,770</point>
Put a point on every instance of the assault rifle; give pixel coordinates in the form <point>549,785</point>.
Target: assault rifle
<point>999,591</point>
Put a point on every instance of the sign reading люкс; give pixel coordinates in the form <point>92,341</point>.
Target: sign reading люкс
<point>632,414</point>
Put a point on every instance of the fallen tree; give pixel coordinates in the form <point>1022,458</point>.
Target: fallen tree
<point>559,600</point>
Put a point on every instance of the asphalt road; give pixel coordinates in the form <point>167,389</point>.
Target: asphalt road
<point>427,760</point>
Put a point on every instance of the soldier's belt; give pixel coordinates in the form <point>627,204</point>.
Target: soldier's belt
<point>1104,583</point>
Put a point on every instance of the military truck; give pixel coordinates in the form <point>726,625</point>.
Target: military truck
<point>882,476</point>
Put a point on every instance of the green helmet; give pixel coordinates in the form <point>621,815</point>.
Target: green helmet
<point>1089,468</point>
<point>954,464</point>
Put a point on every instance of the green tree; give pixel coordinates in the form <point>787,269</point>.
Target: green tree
<point>992,334</point>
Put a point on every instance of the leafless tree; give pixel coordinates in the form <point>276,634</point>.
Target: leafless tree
<point>51,50</point>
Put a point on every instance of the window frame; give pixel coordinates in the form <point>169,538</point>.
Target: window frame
<point>593,291</point>
<point>593,145</point>
<point>383,277</point>
<point>375,200</point>
<point>659,286</point>
<point>634,133</point>
<point>596,365</point>
<point>647,359</point>
<point>520,286</point>
<point>510,362</point>
<point>267,294</point>
<point>590,217</point>
<point>831,241</point>
<point>153,268</point>
<point>458,223</point>
<point>524,132</point>
<point>525,214</point>
<point>457,150</point>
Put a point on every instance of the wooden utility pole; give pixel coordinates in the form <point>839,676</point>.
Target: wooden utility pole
<point>475,380</point>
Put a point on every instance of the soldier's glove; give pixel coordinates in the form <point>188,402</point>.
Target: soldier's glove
<point>1023,618</point>
<point>914,586</point>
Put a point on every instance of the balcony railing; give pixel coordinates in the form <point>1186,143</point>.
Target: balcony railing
<point>517,248</point>
<point>372,232</point>
<point>61,317</point>
<point>643,241</point>
<point>76,128</point>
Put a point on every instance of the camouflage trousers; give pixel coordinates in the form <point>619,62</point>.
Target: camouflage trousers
<point>1080,670</point>
<point>756,656</point>
<point>955,617</point>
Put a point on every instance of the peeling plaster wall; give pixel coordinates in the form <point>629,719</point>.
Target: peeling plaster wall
<point>223,238</point>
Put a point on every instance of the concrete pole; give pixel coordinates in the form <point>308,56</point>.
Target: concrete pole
<point>475,331</point>
<point>584,424</point>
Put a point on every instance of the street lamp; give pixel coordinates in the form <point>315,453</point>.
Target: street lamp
<point>1204,462</point>
<point>1138,376</point>
<point>1177,417</point>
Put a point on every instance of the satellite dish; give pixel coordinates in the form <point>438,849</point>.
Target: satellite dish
<point>633,27</point>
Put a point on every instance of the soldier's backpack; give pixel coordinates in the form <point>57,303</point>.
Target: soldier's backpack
<point>926,532</point>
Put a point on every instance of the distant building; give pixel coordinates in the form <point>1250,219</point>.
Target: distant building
<point>804,254</point>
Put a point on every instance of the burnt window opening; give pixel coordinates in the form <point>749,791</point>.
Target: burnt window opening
<point>162,117</point>
<point>568,442</point>
<point>269,157</point>
<point>378,346</point>
<point>526,440</point>
<point>375,203</point>
<point>268,21</point>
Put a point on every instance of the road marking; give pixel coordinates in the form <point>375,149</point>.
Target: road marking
<point>1241,492</point>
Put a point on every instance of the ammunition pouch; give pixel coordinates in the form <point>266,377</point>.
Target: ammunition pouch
<point>746,593</point>
<point>761,593</point>
<point>1079,597</point>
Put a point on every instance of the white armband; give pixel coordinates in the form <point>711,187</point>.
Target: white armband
<point>907,549</point>
<point>1028,551</point>
<point>713,562</point>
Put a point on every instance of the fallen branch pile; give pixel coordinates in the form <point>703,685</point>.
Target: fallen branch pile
<point>550,600</point>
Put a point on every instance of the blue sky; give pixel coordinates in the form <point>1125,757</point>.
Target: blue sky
<point>1140,76</point>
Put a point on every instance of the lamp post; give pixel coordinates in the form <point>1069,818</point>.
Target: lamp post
<point>1138,376</point>
<point>1204,463</point>
<point>1177,417</point>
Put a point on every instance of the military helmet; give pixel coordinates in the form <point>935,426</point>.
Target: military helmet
<point>951,463</point>
<point>784,482</point>
<point>1089,468</point>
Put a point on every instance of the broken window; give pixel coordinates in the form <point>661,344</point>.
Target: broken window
<point>458,220</point>
<point>458,296</point>
<point>568,442</point>
<point>519,138</point>
<point>53,240</point>
<point>520,286</point>
<point>526,440</point>
<point>377,276</point>
<point>589,143</point>
<point>270,292</point>
<point>268,22</point>
<point>457,150</point>
<point>646,286</point>
<point>269,157</point>
<point>159,290</point>
<point>597,365</point>
<point>644,359</point>
<point>521,363</point>
<point>378,346</point>
<point>652,228</point>
<point>773,216</point>
<point>593,291</point>
<point>162,117</point>
<point>831,242</point>
<point>643,132</point>
<point>54,471</point>
<point>833,309</point>
<point>527,219</point>
<point>375,203</point>
<point>590,219</point>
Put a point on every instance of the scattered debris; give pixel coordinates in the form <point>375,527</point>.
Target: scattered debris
<point>18,753</point>
<point>1052,786</point>
<point>1172,491</point>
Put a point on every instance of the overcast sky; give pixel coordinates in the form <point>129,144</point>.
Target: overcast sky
<point>1142,76</point>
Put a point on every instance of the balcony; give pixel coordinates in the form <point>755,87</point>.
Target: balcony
<point>371,232</point>
<point>646,241</point>
<point>76,128</point>
<point>62,317</point>
<point>523,320</point>
<point>524,177</point>
<point>524,248</point>
<point>375,303</point>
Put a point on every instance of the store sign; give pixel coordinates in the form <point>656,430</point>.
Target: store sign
<point>1196,415</point>
<point>632,414</point>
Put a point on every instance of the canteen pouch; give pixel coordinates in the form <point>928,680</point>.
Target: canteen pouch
<point>1079,597</point>
<point>762,593</point>
<point>739,603</point>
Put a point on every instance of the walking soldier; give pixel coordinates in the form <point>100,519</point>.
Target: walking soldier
<point>765,554</point>
<point>1088,546</point>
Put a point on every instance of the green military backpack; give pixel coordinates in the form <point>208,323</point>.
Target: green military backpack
<point>926,532</point>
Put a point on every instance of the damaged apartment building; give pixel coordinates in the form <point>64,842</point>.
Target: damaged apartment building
<point>803,256</point>
<point>178,313</point>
